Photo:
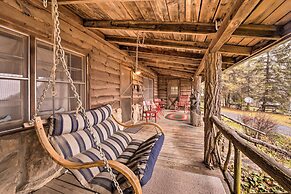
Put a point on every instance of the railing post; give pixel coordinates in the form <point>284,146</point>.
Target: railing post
<point>237,171</point>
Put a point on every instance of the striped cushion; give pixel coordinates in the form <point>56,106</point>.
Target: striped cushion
<point>141,160</point>
<point>69,145</point>
<point>68,123</point>
<point>114,146</point>
<point>105,129</point>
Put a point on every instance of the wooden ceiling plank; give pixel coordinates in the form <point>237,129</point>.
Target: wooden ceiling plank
<point>276,15</point>
<point>231,22</point>
<point>264,9</point>
<point>208,9</point>
<point>173,9</point>
<point>67,2</point>
<point>146,10</point>
<point>188,45</point>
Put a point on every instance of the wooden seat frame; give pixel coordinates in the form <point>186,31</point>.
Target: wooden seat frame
<point>121,168</point>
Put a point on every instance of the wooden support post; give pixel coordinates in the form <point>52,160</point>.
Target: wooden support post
<point>212,105</point>
<point>237,171</point>
<point>195,113</point>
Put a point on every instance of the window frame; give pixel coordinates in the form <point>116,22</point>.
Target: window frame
<point>149,88</point>
<point>30,100</point>
<point>15,125</point>
<point>84,72</point>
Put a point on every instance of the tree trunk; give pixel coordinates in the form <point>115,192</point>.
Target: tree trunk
<point>212,105</point>
<point>195,113</point>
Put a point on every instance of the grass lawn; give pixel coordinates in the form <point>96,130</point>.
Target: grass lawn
<point>277,118</point>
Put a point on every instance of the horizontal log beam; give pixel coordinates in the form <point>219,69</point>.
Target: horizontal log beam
<point>172,73</point>
<point>172,53</point>
<point>251,31</point>
<point>171,59</point>
<point>68,2</point>
<point>172,44</point>
<point>169,65</point>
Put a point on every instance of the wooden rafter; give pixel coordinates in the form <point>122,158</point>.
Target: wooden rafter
<point>271,32</point>
<point>241,9</point>
<point>147,62</point>
<point>170,59</point>
<point>188,45</point>
<point>174,73</point>
<point>166,53</point>
<point>67,2</point>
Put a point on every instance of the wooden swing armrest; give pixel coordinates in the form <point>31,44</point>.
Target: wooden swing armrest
<point>121,168</point>
<point>160,129</point>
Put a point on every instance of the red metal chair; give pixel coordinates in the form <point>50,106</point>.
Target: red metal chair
<point>148,112</point>
<point>184,101</point>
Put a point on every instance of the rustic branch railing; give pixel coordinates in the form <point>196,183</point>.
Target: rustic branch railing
<point>277,171</point>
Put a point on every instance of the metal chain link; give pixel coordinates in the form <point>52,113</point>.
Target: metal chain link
<point>44,3</point>
<point>59,54</point>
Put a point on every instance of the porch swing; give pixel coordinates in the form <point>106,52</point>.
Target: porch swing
<point>90,143</point>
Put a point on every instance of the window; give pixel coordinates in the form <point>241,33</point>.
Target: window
<point>14,78</point>
<point>174,90</point>
<point>64,99</point>
<point>148,89</point>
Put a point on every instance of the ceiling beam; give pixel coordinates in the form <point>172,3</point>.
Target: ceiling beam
<point>67,2</point>
<point>171,54</point>
<point>271,32</point>
<point>240,10</point>
<point>148,62</point>
<point>172,73</point>
<point>161,58</point>
<point>173,44</point>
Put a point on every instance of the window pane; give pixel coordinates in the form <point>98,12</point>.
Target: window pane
<point>61,98</point>
<point>45,62</point>
<point>13,55</point>
<point>81,91</point>
<point>13,100</point>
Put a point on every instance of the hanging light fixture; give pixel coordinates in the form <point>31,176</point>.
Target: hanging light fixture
<point>136,70</point>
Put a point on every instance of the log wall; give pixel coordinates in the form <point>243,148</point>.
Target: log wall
<point>185,87</point>
<point>24,166</point>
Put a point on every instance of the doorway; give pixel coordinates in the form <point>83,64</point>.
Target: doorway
<point>125,93</point>
<point>173,92</point>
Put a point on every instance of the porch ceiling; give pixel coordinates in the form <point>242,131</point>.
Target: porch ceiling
<point>179,33</point>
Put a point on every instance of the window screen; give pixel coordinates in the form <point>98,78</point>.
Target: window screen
<point>13,79</point>
<point>148,89</point>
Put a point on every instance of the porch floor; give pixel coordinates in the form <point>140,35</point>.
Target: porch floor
<point>182,153</point>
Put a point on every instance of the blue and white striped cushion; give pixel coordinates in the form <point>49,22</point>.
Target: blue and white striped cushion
<point>68,145</point>
<point>68,123</point>
<point>112,148</point>
<point>105,129</point>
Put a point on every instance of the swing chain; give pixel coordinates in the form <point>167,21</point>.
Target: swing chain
<point>60,57</point>
<point>45,3</point>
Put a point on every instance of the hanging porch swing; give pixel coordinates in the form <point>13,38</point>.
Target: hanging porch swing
<point>90,143</point>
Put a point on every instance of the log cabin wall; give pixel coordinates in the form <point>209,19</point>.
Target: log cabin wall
<point>24,166</point>
<point>184,87</point>
<point>138,80</point>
